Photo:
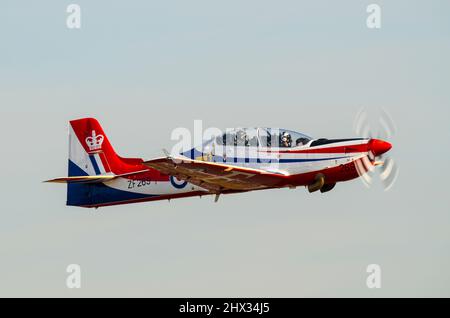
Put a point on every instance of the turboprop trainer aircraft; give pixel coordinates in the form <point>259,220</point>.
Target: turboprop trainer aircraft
<point>240,160</point>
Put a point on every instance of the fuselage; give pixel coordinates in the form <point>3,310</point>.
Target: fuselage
<point>244,159</point>
<point>335,159</point>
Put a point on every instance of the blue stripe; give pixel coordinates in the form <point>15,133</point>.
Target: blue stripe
<point>194,153</point>
<point>94,163</point>
<point>270,160</point>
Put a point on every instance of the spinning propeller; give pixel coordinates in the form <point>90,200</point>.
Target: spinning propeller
<point>377,148</point>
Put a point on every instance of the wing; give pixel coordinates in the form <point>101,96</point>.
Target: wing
<point>216,177</point>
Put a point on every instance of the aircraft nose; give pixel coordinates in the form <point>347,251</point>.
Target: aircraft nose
<point>379,147</point>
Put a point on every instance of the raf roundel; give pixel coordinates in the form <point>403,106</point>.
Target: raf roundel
<point>173,181</point>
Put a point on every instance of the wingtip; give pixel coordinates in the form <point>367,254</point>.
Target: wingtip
<point>52,181</point>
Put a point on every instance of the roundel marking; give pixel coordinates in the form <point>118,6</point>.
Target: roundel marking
<point>176,183</point>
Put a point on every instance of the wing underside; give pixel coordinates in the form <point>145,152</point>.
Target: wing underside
<point>216,177</point>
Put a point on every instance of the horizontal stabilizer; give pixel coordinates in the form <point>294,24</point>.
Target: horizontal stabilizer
<point>95,179</point>
<point>83,179</point>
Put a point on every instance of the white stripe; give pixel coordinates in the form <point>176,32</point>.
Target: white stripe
<point>99,163</point>
<point>78,155</point>
<point>155,188</point>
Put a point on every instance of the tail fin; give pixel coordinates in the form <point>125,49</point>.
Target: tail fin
<point>91,154</point>
<point>91,151</point>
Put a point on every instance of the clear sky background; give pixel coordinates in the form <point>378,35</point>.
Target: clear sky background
<point>144,68</point>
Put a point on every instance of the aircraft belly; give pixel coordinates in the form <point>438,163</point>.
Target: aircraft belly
<point>152,187</point>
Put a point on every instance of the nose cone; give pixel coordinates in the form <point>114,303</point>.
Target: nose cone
<point>378,146</point>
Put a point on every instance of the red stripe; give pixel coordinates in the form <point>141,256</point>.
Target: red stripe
<point>335,149</point>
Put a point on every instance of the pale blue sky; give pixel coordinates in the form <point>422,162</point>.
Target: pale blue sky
<point>145,67</point>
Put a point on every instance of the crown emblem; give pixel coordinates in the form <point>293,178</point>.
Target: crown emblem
<point>95,141</point>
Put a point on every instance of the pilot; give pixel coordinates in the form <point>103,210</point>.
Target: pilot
<point>241,138</point>
<point>285,139</point>
<point>301,141</point>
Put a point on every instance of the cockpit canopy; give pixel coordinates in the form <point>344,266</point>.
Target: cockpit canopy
<point>262,137</point>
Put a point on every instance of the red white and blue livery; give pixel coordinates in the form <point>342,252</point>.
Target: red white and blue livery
<point>240,160</point>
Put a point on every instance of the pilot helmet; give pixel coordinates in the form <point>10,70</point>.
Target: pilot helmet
<point>286,138</point>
